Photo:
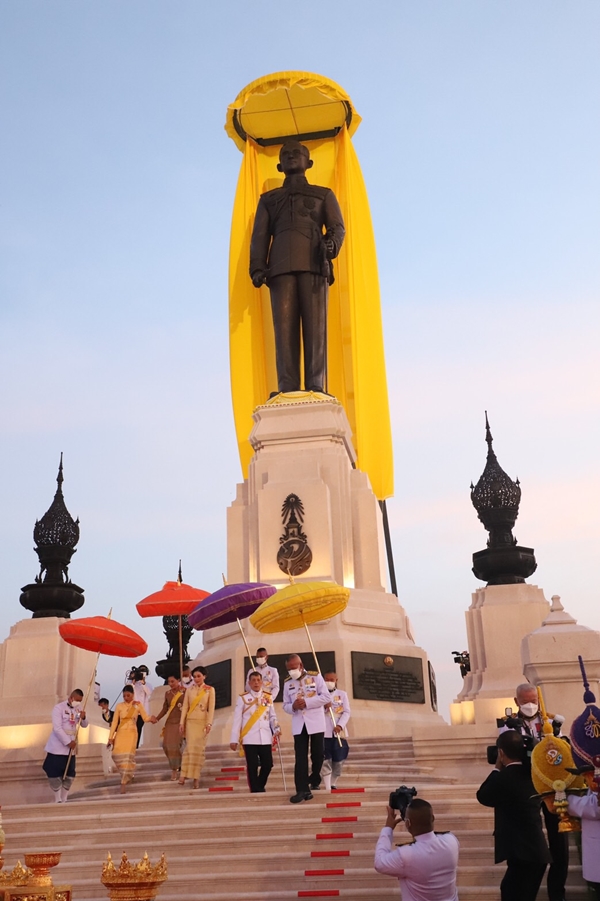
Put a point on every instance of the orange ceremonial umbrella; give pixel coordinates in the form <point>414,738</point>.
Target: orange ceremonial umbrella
<point>104,636</point>
<point>173,599</point>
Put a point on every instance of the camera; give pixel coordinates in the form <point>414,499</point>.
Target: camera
<point>136,674</point>
<point>401,798</point>
<point>463,659</point>
<point>513,722</point>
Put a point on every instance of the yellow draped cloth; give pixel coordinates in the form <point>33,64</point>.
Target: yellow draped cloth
<point>309,104</point>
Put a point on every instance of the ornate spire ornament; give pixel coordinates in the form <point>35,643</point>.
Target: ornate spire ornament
<point>55,536</point>
<point>496,499</point>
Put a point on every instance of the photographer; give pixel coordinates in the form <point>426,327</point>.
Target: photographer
<point>425,868</point>
<point>142,689</point>
<point>528,723</point>
<point>518,835</point>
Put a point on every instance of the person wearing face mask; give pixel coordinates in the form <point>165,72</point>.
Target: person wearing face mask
<point>196,722</point>
<point>335,753</point>
<point>305,697</point>
<point>528,723</point>
<point>66,718</point>
<point>254,725</point>
<point>270,676</point>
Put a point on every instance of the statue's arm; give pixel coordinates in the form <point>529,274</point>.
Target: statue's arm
<point>334,224</point>
<point>259,245</point>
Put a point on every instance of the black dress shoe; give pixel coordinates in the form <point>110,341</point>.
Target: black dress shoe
<point>315,788</point>
<point>301,796</point>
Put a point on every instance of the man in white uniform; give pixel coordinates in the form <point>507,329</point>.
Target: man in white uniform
<point>270,676</point>
<point>142,689</point>
<point>304,698</point>
<point>426,868</point>
<point>254,725</point>
<point>588,809</point>
<point>66,717</point>
<point>335,752</point>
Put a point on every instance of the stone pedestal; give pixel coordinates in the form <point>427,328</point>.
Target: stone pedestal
<point>37,670</point>
<point>498,619</point>
<point>550,661</point>
<point>303,446</point>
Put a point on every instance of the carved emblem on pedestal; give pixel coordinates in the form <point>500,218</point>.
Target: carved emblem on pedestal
<point>294,556</point>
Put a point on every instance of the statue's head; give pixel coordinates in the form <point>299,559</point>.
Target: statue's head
<point>294,158</point>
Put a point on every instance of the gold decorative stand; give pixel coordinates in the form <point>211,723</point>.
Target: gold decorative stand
<point>133,882</point>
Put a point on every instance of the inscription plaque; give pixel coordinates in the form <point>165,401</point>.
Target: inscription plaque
<point>219,676</point>
<point>326,661</point>
<point>387,677</point>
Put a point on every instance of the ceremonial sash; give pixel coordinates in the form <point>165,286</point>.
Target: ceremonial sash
<point>128,716</point>
<point>251,722</point>
<point>197,700</point>
<point>170,710</point>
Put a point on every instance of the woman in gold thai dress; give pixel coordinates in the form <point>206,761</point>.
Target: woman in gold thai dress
<point>196,722</point>
<point>123,735</point>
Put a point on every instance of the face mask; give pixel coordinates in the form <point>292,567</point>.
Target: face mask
<point>330,685</point>
<point>295,673</point>
<point>260,661</point>
<point>529,709</point>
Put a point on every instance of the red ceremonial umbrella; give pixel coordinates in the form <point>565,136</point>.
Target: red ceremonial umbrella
<point>104,636</point>
<point>174,599</point>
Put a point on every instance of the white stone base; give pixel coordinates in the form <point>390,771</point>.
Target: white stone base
<point>37,670</point>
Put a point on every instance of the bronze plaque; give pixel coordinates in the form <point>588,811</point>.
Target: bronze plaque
<point>387,677</point>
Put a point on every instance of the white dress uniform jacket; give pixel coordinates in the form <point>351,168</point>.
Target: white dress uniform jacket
<point>270,679</point>
<point>315,693</point>
<point>264,728</point>
<point>141,693</point>
<point>64,726</point>
<point>426,869</point>
<point>587,808</point>
<point>341,711</point>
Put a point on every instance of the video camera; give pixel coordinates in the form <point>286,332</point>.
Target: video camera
<point>512,721</point>
<point>136,674</point>
<point>463,658</point>
<point>401,798</point>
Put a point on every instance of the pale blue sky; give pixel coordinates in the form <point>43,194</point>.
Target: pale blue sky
<point>480,147</point>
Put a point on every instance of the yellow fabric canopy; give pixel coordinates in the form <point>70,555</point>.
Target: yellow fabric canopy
<point>320,113</point>
<point>300,604</point>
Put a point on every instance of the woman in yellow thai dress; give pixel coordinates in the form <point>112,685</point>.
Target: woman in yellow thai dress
<point>196,722</point>
<point>123,735</point>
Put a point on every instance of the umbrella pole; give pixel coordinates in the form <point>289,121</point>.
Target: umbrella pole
<point>314,653</point>
<point>246,643</point>
<point>180,650</point>
<point>85,700</point>
<point>281,763</point>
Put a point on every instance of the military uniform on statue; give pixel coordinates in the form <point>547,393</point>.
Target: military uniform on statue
<point>254,725</point>
<point>304,698</point>
<point>298,230</point>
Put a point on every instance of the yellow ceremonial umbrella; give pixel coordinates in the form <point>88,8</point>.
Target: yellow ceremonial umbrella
<point>299,604</point>
<point>317,111</point>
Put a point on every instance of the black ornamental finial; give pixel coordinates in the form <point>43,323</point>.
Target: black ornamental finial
<point>55,536</point>
<point>496,498</point>
<point>179,576</point>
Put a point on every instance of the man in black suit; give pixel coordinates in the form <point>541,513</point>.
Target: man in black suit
<point>518,835</point>
<point>298,231</point>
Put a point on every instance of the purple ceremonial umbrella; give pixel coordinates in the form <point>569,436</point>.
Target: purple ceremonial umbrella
<point>230,604</point>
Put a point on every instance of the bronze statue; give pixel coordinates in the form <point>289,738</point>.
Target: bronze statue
<point>298,231</point>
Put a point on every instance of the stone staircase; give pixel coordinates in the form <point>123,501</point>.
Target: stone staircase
<point>224,844</point>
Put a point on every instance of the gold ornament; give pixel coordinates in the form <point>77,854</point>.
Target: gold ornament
<point>40,864</point>
<point>133,882</point>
